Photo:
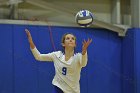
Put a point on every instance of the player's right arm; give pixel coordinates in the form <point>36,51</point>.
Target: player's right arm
<point>32,45</point>
<point>36,53</point>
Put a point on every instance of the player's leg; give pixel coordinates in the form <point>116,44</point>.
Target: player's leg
<point>57,90</point>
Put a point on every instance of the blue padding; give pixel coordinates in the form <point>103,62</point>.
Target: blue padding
<point>26,68</point>
<point>137,60</point>
<point>128,62</point>
<point>104,62</point>
<point>6,59</point>
<point>113,63</point>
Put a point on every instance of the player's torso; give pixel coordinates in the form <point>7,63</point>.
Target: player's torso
<point>68,68</point>
<point>67,73</point>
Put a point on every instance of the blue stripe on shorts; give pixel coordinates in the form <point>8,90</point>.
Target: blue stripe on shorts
<point>57,90</point>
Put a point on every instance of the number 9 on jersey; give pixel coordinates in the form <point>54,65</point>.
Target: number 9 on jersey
<point>64,70</point>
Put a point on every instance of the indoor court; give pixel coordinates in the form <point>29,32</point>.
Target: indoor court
<point>113,55</point>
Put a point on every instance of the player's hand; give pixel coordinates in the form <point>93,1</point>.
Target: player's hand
<point>28,35</point>
<point>32,46</point>
<point>85,45</point>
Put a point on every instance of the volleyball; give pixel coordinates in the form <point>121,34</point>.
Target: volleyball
<point>84,18</point>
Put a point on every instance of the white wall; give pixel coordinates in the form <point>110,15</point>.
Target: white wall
<point>101,9</point>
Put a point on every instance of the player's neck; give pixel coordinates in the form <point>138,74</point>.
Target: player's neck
<point>69,52</point>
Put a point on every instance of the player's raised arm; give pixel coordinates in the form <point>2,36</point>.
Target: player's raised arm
<point>84,52</point>
<point>32,45</point>
<point>85,45</point>
<point>36,53</point>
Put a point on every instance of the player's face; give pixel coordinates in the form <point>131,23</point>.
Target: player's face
<point>69,41</point>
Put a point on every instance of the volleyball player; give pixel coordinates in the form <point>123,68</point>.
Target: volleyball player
<point>68,64</point>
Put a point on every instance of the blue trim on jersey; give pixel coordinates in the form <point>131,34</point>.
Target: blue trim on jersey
<point>57,90</point>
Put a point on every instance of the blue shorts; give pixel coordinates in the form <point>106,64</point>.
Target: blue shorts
<point>57,90</point>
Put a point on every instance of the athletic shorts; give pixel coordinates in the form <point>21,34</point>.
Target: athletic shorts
<point>57,90</point>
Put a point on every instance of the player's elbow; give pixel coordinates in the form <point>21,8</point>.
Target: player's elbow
<point>84,63</point>
<point>38,58</point>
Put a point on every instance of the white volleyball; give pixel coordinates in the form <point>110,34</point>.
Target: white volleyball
<point>84,18</point>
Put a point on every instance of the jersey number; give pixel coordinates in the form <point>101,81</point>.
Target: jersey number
<point>64,70</point>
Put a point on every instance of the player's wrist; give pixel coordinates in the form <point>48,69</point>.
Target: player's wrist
<point>84,52</point>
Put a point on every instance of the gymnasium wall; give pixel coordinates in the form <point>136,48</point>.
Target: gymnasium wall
<point>112,66</point>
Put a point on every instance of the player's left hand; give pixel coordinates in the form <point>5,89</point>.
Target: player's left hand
<point>85,45</point>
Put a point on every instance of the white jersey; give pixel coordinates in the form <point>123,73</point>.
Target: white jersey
<point>67,73</point>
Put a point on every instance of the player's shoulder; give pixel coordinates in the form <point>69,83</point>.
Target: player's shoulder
<point>57,53</point>
<point>78,54</point>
